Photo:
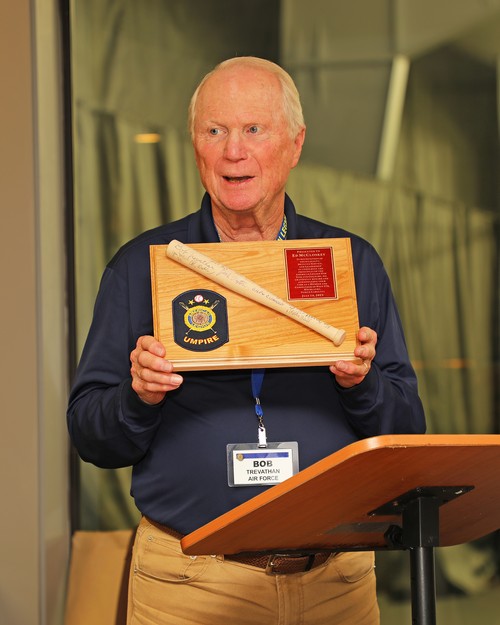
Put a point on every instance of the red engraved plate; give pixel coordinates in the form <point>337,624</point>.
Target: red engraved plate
<point>310,273</point>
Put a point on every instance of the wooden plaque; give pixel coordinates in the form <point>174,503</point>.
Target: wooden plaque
<point>204,325</point>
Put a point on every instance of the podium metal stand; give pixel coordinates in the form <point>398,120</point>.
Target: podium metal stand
<point>412,492</point>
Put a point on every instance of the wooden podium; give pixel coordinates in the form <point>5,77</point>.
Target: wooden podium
<point>414,492</point>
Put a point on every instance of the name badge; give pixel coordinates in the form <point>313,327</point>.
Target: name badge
<point>249,464</point>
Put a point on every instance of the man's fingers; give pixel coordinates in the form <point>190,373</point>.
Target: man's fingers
<point>151,373</point>
<point>367,336</point>
<point>149,354</point>
<point>150,344</point>
<point>151,376</point>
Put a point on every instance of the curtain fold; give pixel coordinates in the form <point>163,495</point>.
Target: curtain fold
<point>435,227</point>
<point>440,256</point>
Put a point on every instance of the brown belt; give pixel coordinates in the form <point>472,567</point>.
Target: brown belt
<point>282,563</point>
<point>276,563</point>
<point>165,528</point>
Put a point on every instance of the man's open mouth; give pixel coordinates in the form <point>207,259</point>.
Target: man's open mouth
<point>237,178</point>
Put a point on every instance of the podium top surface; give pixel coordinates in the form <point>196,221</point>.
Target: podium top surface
<point>330,504</point>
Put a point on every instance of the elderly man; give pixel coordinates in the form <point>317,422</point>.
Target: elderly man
<point>129,407</point>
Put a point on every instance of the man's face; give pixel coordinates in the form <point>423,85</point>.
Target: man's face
<point>242,141</point>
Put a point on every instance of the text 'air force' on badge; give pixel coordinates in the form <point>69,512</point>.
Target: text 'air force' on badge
<point>200,320</point>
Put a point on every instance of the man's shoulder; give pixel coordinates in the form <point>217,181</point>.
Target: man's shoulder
<point>314,229</point>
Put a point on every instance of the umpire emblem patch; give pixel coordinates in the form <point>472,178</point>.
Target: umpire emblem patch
<point>200,320</point>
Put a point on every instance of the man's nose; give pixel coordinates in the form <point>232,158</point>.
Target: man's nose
<point>235,147</point>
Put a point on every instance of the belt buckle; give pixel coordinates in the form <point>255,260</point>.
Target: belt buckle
<point>271,563</point>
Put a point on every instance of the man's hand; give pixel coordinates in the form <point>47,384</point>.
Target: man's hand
<point>152,375</point>
<point>348,373</point>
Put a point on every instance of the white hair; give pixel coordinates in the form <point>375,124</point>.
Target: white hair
<point>291,99</point>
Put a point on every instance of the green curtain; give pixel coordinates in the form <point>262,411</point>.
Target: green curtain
<point>435,226</point>
<point>440,257</point>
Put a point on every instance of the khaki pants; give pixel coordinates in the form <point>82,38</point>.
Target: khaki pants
<point>168,587</point>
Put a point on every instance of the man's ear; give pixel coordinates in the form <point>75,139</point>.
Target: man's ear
<point>299,142</point>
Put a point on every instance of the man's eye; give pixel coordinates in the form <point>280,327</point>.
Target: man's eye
<point>253,130</point>
<point>214,131</point>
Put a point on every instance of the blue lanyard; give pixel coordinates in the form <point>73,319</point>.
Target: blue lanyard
<point>258,374</point>
<point>257,380</point>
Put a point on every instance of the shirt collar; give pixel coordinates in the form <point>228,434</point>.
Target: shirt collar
<point>202,228</point>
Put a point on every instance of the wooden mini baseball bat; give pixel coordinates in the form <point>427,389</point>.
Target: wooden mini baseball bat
<point>217,272</point>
